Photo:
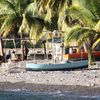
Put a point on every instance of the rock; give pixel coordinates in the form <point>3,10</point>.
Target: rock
<point>95,76</point>
<point>92,84</point>
<point>61,79</point>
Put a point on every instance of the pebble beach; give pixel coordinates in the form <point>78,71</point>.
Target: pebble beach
<point>13,75</point>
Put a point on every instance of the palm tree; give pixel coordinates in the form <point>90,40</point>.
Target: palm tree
<point>50,12</point>
<point>86,35</point>
<point>22,16</point>
<point>12,10</point>
<point>88,19</point>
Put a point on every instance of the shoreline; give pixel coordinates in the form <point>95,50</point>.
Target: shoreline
<point>14,76</point>
<point>29,87</point>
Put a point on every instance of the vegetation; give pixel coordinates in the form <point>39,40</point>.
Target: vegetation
<point>79,19</point>
<point>87,15</point>
<point>20,17</point>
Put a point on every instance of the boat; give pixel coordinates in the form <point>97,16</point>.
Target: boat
<point>57,66</point>
<point>82,55</point>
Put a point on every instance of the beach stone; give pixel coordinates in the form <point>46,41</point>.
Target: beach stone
<point>47,80</point>
<point>87,76</point>
<point>92,84</point>
<point>62,79</point>
<point>95,76</point>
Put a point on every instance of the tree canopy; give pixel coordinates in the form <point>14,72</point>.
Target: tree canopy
<point>87,14</point>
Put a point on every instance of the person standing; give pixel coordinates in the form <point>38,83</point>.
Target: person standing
<point>13,56</point>
<point>26,50</point>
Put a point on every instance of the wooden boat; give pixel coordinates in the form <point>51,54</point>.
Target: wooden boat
<point>82,55</point>
<point>57,66</point>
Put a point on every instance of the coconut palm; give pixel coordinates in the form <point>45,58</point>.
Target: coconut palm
<point>12,10</point>
<point>27,13</point>
<point>86,11</point>
<point>85,35</point>
<point>51,12</point>
<point>20,17</point>
<point>88,19</point>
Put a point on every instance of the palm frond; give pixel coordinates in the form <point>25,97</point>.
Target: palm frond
<point>83,14</point>
<point>95,43</point>
<point>8,25</point>
<point>24,28</point>
<point>84,35</point>
<point>79,34</point>
<point>37,28</point>
<point>93,6</point>
<point>97,27</point>
<point>32,11</point>
<point>7,5</point>
<point>6,8</point>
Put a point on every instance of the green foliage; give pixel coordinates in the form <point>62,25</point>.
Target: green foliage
<point>32,17</point>
<point>13,10</point>
<point>87,12</point>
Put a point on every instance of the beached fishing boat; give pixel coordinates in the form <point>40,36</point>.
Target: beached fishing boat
<point>57,66</point>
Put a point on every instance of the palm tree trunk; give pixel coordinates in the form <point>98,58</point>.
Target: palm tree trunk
<point>90,58</point>
<point>85,47</point>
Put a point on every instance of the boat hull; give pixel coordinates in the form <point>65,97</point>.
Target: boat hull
<point>57,66</point>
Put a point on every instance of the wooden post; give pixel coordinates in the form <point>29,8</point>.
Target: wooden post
<point>1,47</point>
<point>22,48</point>
<point>52,48</point>
<point>46,45</point>
<point>62,45</point>
<point>45,51</point>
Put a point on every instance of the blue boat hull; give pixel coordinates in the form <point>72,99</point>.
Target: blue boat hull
<point>57,66</point>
